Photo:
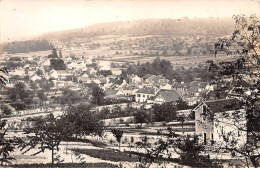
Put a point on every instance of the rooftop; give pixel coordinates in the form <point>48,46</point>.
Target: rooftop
<point>223,105</point>
<point>146,90</point>
<point>170,96</point>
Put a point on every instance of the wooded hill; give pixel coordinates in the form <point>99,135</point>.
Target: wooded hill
<point>179,27</point>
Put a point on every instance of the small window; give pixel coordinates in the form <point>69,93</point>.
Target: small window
<point>204,109</point>
<point>203,118</point>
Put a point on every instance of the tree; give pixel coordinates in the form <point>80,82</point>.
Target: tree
<point>46,133</point>
<point>5,109</point>
<point>97,95</point>
<point>3,72</point>
<point>60,54</point>
<point>141,117</point>
<point>243,45</point>
<point>70,97</point>
<point>118,134</point>
<point>181,104</point>
<point>80,121</point>
<point>57,64</point>
<point>164,112</point>
<point>19,94</point>
<point>42,96</point>
<point>6,145</point>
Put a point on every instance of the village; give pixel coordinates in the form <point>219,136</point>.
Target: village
<point>49,90</point>
<point>108,84</point>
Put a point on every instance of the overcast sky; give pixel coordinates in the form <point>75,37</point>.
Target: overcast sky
<point>21,18</point>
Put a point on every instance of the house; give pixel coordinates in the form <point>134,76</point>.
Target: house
<point>182,88</point>
<point>158,80</point>
<point>33,66</point>
<point>35,77</point>
<point>218,120</point>
<point>167,96</point>
<point>147,76</point>
<point>116,71</point>
<point>59,74</point>
<point>104,65</point>
<point>166,87</point>
<point>134,79</point>
<point>143,94</point>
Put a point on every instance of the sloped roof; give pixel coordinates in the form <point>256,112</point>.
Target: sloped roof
<point>224,105</point>
<point>61,71</point>
<point>147,76</point>
<point>110,92</point>
<point>194,89</point>
<point>170,96</point>
<point>178,85</point>
<point>146,90</point>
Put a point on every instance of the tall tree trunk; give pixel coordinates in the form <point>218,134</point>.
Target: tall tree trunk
<point>52,153</point>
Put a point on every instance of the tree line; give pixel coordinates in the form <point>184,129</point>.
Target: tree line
<point>27,46</point>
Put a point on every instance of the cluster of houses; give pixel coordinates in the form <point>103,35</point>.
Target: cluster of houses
<point>148,90</point>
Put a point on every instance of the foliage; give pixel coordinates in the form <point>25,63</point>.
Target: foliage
<point>69,97</point>
<point>46,133</point>
<point>243,46</point>
<point>27,46</point>
<point>164,112</point>
<point>105,73</point>
<point>20,95</point>
<point>141,116</point>
<point>7,145</point>
<point>5,109</point>
<point>118,134</point>
<point>165,68</point>
<point>3,72</point>
<point>107,154</point>
<point>80,121</point>
<point>57,64</point>
<point>97,95</point>
<point>182,105</point>
<point>66,165</point>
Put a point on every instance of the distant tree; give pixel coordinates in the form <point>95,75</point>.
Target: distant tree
<point>60,54</point>
<point>97,95</point>
<point>27,46</point>
<point>141,117</point>
<point>20,93</point>
<point>164,112</point>
<point>118,134</point>
<point>39,72</point>
<point>57,64</point>
<point>70,97</point>
<point>105,73</point>
<point>42,96</point>
<point>5,109</point>
<point>182,105</point>
<point>80,121</point>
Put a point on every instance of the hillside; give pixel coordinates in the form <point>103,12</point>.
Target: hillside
<point>179,27</point>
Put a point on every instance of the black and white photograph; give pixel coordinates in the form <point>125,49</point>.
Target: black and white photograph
<point>129,84</point>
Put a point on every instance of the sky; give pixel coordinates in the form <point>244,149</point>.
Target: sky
<point>23,18</point>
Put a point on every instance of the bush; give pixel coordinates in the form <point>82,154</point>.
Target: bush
<point>109,155</point>
<point>66,165</point>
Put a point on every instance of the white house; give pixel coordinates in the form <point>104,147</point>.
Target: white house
<point>167,96</point>
<point>145,93</point>
<point>221,120</point>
